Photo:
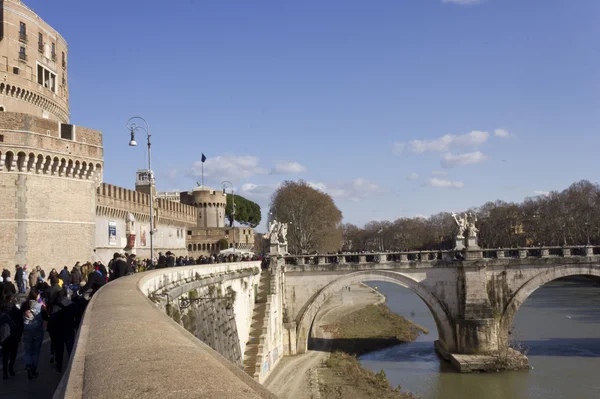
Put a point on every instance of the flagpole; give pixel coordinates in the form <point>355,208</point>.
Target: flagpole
<point>202,174</point>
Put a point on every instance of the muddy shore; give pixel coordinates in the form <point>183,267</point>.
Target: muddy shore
<point>349,324</point>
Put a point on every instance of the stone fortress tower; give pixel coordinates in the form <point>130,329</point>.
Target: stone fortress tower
<point>211,223</point>
<point>49,169</point>
<point>210,203</point>
<point>33,71</point>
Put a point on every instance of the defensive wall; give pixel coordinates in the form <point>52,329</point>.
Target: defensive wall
<point>47,190</point>
<point>172,221</point>
<point>127,337</point>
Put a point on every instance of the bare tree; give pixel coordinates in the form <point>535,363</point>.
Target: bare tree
<point>314,219</point>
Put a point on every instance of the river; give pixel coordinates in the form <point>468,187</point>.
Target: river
<point>559,324</point>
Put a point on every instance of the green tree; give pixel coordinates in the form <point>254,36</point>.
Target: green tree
<point>246,212</point>
<point>314,219</point>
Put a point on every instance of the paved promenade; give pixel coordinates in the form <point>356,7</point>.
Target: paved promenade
<point>42,387</point>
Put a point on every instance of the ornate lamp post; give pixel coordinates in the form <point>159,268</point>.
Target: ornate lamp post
<point>133,127</point>
<point>227,184</point>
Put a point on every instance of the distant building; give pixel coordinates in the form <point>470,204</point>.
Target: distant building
<point>211,224</point>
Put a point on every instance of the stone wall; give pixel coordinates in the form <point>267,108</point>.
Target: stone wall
<point>271,347</point>
<point>45,220</point>
<point>222,319</point>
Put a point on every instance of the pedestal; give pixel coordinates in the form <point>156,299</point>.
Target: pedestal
<point>460,243</point>
<point>472,242</point>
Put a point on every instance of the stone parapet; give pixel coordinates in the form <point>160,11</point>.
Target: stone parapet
<point>118,339</point>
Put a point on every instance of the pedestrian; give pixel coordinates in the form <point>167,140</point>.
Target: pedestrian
<point>61,327</point>
<point>20,279</point>
<point>11,329</point>
<point>34,314</point>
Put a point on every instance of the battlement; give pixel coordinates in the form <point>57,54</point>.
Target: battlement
<point>28,133</point>
<point>138,203</point>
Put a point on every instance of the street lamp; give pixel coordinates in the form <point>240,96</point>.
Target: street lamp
<point>133,127</point>
<point>228,184</point>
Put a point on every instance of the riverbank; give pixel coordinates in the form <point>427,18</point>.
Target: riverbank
<point>308,376</point>
<point>371,328</point>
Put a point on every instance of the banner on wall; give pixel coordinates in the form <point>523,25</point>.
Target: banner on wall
<point>143,236</point>
<point>112,233</point>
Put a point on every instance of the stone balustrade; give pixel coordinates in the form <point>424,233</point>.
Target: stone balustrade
<point>445,256</point>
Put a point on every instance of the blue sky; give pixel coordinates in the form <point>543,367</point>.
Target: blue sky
<point>396,108</point>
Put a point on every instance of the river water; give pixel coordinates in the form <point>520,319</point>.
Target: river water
<point>559,325</point>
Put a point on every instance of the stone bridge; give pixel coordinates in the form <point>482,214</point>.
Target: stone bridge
<point>472,295</point>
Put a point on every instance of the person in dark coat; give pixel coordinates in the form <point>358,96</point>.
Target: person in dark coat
<point>9,287</point>
<point>119,266</point>
<point>20,279</point>
<point>10,315</point>
<point>75,279</point>
<point>95,280</point>
<point>61,327</point>
<point>64,276</point>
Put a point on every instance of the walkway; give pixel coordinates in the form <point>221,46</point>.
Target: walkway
<point>42,387</point>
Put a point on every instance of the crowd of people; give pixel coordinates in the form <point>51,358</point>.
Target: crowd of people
<point>33,302</point>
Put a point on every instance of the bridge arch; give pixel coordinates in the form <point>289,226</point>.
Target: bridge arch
<point>440,315</point>
<point>536,282</point>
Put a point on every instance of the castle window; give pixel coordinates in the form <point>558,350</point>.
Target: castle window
<point>53,51</point>
<point>40,42</point>
<point>189,232</point>
<point>1,135</point>
<point>66,131</point>
<point>23,32</point>
<point>46,78</point>
<point>16,70</point>
<point>64,60</point>
<point>22,53</point>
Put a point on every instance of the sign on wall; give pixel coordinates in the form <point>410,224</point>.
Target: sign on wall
<point>112,233</point>
<point>143,236</point>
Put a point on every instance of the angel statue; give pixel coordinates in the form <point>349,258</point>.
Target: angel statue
<point>462,224</point>
<point>274,231</point>
<point>283,233</point>
<point>472,229</point>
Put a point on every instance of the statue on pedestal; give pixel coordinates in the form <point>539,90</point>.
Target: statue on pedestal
<point>472,229</point>
<point>462,224</point>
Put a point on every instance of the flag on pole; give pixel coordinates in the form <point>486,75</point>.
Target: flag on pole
<point>203,159</point>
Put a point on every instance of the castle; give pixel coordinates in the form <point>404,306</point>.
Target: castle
<point>55,209</point>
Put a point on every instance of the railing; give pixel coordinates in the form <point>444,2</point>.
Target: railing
<point>443,255</point>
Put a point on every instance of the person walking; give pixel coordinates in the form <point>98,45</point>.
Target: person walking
<point>34,314</point>
<point>20,279</point>
<point>11,329</point>
<point>61,327</point>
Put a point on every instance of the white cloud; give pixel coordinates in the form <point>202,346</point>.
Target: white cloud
<point>413,176</point>
<point>471,158</point>
<point>544,193</point>
<point>443,144</point>
<point>283,167</point>
<point>503,133</point>
<point>228,167</point>
<point>462,2</point>
<point>352,190</point>
<point>398,148</point>
<point>443,183</point>
<point>439,173</point>
<point>258,190</point>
